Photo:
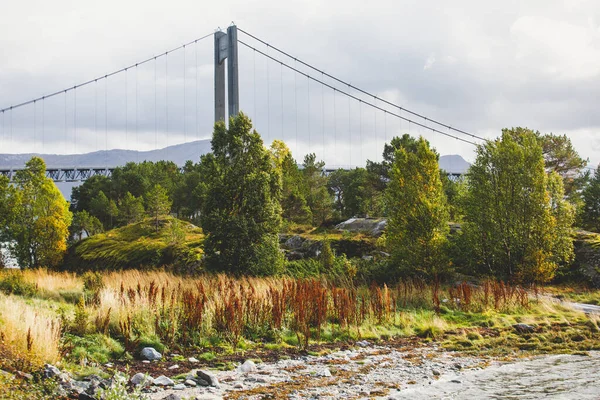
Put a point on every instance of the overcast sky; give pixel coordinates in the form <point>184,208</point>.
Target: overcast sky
<point>475,65</point>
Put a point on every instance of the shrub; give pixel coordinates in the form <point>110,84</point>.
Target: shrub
<point>15,283</point>
<point>96,348</point>
<point>92,282</point>
<point>80,322</point>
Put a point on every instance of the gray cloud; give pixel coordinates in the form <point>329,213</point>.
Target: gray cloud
<point>479,66</point>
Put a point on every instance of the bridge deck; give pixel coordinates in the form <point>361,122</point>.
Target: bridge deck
<point>81,174</point>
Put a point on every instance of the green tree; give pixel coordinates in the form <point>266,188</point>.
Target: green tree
<point>84,222</point>
<point>455,191</point>
<point>317,196</point>
<point>40,221</point>
<point>517,221</point>
<point>104,209</point>
<point>241,211</point>
<point>158,204</point>
<point>378,173</point>
<point>561,157</point>
<point>83,195</point>
<point>350,191</point>
<point>131,209</point>
<point>418,217</point>
<point>591,199</point>
<point>293,201</point>
<point>187,194</point>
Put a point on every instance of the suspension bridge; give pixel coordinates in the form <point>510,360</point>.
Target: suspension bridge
<point>175,97</point>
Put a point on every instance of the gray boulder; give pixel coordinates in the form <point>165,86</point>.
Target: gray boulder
<point>150,354</point>
<point>141,379</point>
<point>295,242</point>
<point>50,371</point>
<point>209,378</point>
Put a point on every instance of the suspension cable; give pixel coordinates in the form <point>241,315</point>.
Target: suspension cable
<point>66,133</point>
<point>126,109</point>
<point>425,118</point>
<point>106,123</point>
<point>96,113</point>
<point>323,118</point>
<point>350,129</point>
<point>296,106</point>
<point>281,82</point>
<point>358,99</point>
<point>308,110</point>
<point>360,140</point>
<point>254,86</point>
<point>137,140</point>
<point>334,125</point>
<point>43,126</point>
<point>34,124</point>
<point>103,76</point>
<point>155,109</point>
<point>196,94</point>
<point>167,101</point>
<point>75,123</point>
<point>184,82</point>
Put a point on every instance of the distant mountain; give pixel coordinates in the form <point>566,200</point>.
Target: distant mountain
<point>179,154</point>
<point>454,164</point>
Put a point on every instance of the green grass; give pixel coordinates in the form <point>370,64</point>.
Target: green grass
<point>93,348</point>
<point>137,246</point>
<point>577,294</point>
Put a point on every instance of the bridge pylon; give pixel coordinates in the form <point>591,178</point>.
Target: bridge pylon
<point>226,48</point>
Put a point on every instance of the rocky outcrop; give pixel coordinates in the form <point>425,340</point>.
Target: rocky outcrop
<point>371,226</point>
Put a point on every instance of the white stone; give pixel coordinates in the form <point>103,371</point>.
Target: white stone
<point>163,381</point>
<point>247,367</point>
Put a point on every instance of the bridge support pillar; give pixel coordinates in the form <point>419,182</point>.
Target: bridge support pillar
<point>220,55</point>
<point>233,95</point>
<point>226,48</point>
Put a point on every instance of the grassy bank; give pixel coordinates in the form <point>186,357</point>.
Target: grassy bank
<point>92,319</point>
<point>139,245</point>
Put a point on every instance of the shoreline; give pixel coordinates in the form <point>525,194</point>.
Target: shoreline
<point>370,370</point>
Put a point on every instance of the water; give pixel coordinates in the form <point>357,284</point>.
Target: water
<point>548,377</point>
<point>9,261</point>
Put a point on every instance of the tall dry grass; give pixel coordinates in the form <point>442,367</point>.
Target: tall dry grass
<point>134,306</point>
<point>32,333</point>
<point>52,281</point>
